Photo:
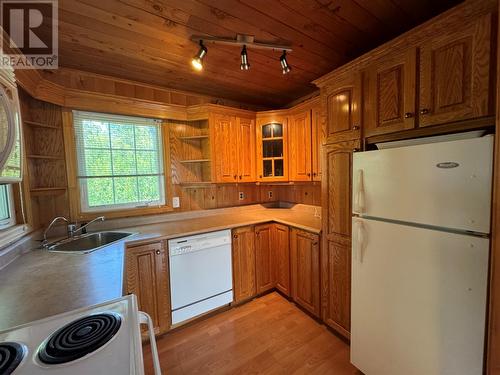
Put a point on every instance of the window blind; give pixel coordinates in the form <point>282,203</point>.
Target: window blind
<point>120,161</point>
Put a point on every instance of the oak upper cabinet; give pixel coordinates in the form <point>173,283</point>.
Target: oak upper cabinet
<point>245,149</point>
<point>225,146</point>
<point>243,244</point>
<point>305,259</point>
<point>272,148</point>
<point>234,148</point>
<point>300,145</point>
<point>342,105</point>
<point>281,250</point>
<point>455,74</point>
<point>390,87</point>
<point>317,141</point>
<point>336,235</point>
<point>264,258</point>
<point>146,268</point>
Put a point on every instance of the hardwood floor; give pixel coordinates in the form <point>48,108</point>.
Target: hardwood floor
<point>266,336</point>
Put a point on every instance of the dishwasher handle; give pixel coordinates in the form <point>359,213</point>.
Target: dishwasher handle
<point>144,318</point>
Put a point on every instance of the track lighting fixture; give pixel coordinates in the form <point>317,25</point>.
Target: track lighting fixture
<point>244,59</point>
<point>197,60</point>
<point>243,40</point>
<point>284,64</point>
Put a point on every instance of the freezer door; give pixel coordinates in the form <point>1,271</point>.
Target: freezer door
<point>418,300</point>
<point>445,184</point>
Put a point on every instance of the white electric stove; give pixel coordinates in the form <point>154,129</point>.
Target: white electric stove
<point>101,339</point>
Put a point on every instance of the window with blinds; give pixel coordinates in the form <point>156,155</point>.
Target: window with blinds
<point>120,161</point>
<point>7,216</point>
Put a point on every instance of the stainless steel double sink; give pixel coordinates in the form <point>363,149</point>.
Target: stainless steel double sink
<point>87,243</point>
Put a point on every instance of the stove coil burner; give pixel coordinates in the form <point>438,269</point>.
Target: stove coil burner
<point>11,355</point>
<point>79,338</point>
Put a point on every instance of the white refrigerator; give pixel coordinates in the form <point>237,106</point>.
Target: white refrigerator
<point>421,224</point>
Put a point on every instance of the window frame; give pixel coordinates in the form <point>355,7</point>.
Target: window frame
<point>11,221</point>
<point>76,195</point>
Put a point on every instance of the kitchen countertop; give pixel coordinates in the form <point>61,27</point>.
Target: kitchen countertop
<point>39,284</point>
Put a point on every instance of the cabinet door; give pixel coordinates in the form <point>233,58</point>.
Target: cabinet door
<point>272,148</point>
<point>391,93</point>
<point>342,105</point>
<point>337,187</point>
<point>299,137</point>
<point>225,138</point>
<point>336,235</point>
<point>317,141</point>
<point>243,263</point>
<point>246,149</point>
<point>305,270</point>
<point>264,258</point>
<point>455,74</point>
<point>281,253</point>
<point>336,284</point>
<point>147,277</point>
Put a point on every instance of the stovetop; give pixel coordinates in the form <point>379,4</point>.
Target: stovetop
<point>102,339</point>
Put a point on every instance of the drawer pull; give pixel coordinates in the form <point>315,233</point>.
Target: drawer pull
<point>158,252</point>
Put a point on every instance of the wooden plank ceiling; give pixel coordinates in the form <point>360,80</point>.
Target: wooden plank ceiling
<point>148,40</point>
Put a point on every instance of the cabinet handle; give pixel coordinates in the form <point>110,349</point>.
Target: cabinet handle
<point>158,252</point>
<point>355,149</point>
<point>235,176</point>
<point>424,111</point>
<point>355,127</point>
<point>235,236</point>
<point>315,174</point>
<point>315,243</point>
<point>308,175</point>
<point>260,176</point>
<point>408,115</point>
<point>241,176</point>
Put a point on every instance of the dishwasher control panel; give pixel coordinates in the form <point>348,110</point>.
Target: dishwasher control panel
<point>180,246</point>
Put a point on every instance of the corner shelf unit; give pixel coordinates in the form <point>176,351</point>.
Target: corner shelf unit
<point>190,151</point>
<point>45,164</point>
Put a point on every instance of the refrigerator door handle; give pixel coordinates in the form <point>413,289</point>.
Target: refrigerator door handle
<point>359,196</point>
<point>144,318</point>
<point>359,241</point>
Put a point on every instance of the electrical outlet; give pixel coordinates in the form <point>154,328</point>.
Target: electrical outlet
<point>270,194</point>
<point>241,195</point>
<point>176,202</point>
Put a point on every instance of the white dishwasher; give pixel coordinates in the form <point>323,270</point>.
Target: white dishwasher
<point>200,274</point>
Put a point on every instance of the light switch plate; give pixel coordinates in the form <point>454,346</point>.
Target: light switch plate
<point>176,202</point>
<point>270,194</point>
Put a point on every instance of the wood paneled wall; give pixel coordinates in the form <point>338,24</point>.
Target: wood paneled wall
<point>227,195</point>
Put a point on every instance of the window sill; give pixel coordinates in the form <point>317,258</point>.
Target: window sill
<point>13,234</point>
<point>121,213</point>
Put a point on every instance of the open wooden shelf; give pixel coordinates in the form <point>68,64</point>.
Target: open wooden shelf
<point>194,137</point>
<point>195,161</point>
<point>48,191</point>
<point>46,157</point>
<point>41,125</point>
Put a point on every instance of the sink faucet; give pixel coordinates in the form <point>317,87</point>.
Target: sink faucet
<point>72,227</point>
<point>44,242</point>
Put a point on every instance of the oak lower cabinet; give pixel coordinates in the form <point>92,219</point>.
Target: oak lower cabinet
<point>281,250</point>
<point>146,268</point>
<point>243,247</point>
<point>264,258</point>
<point>305,260</point>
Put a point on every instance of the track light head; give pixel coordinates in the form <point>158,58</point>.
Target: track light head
<point>284,64</point>
<point>197,61</point>
<point>244,59</point>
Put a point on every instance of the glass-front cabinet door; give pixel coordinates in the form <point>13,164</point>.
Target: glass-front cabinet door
<point>272,150</point>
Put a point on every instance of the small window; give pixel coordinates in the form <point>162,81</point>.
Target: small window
<point>7,214</point>
<point>120,161</point>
